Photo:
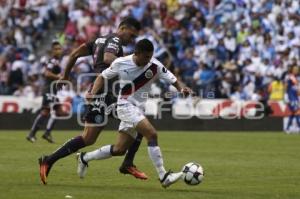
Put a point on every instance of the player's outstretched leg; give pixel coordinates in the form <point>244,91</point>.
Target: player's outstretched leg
<point>123,142</point>
<point>47,135</point>
<point>39,120</point>
<point>89,136</point>
<point>127,166</point>
<point>148,131</point>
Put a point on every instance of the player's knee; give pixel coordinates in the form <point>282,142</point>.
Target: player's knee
<point>90,135</point>
<point>90,142</point>
<point>45,112</point>
<point>152,137</point>
<point>118,151</point>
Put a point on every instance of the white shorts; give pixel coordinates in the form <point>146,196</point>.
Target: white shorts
<point>130,116</point>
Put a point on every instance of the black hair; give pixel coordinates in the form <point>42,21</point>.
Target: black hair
<point>144,45</point>
<point>131,22</point>
<point>54,43</point>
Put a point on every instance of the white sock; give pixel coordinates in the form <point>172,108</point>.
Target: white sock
<point>157,160</point>
<point>98,154</point>
<point>50,122</point>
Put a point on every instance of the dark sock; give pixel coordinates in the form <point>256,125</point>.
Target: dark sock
<point>68,148</point>
<point>39,120</point>
<point>128,160</point>
<point>50,126</point>
<point>111,150</point>
<point>152,143</point>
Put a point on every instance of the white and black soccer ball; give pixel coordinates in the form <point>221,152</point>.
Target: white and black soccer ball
<point>193,173</point>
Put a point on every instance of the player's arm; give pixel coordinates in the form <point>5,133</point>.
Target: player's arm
<point>108,73</point>
<point>48,74</point>
<point>111,50</point>
<point>186,91</point>
<point>98,85</point>
<point>170,78</point>
<point>81,51</point>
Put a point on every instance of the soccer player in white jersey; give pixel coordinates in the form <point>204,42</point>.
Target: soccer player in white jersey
<point>136,72</point>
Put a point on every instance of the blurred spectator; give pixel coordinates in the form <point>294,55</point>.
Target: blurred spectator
<point>238,93</point>
<point>276,90</point>
<point>23,24</point>
<point>4,75</point>
<point>204,78</point>
<point>16,75</point>
<point>230,45</point>
<point>221,52</point>
<point>210,45</point>
<point>25,91</point>
<point>187,67</point>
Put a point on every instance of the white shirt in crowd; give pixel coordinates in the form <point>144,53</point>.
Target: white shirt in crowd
<point>230,43</point>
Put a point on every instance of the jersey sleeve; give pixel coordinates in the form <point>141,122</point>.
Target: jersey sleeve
<point>165,74</point>
<point>113,45</point>
<point>111,71</point>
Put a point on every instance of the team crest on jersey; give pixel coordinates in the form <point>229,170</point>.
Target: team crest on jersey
<point>116,39</point>
<point>98,119</point>
<point>149,74</point>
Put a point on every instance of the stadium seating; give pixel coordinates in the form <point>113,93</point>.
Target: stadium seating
<point>222,49</point>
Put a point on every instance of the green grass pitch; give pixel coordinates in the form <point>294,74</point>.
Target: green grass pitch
<point>236,165</point>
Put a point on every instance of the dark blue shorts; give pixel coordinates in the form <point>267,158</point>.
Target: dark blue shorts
<point>101,108</point>
<point>50,99</point>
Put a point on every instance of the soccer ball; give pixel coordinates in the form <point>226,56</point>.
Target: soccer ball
<point>192,173</point>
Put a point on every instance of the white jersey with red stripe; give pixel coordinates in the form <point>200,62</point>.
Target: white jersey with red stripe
<point>135,81</point>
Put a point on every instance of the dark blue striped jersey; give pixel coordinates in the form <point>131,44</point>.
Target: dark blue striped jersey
<point>53,66</point>
<point>109,43</point>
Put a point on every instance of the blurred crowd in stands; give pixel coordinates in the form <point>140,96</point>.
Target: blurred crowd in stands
<point>237,49</point>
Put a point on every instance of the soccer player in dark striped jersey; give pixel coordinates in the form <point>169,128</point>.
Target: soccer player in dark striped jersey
<point>52,73</point>
<point>104,51</point>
